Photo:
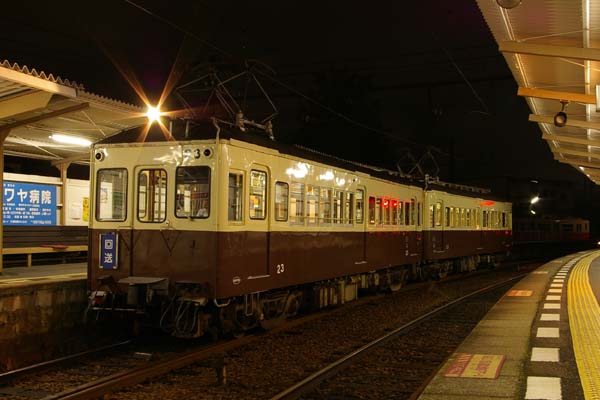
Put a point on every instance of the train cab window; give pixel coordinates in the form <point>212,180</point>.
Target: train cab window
<point>325,206</point>
<point>235,196</point>
<point>152,195</point>
<point>407,209</point>
<point>297,203</point>
<point>192,191</point>
<point>281,201</point>
<point>371,210</point>
<point>419,212</point>
<point>338,204</point>
<point>578,227</point>
<point>468,217</point>
<point>504,220</point>
<point>360,206</point>
<point>394,208</point>
<point>348,208</point>
<point>447,217</point>
<point>312,204</point>
<point>257,207</point>
<point>111,195</point>
<point>413,212</point>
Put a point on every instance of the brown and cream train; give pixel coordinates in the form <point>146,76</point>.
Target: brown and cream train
<point>234,231</point>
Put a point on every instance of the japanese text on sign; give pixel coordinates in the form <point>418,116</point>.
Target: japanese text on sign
<point>108,250</point>
<point>28,204</point>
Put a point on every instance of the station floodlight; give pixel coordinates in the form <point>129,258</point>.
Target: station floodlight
<point>534,200</point>
<point>153,114</point>
<point>508,3</point>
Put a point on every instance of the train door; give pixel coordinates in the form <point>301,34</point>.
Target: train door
<point>437,227</point>
<point>150,236</point>
<point>258,240</point>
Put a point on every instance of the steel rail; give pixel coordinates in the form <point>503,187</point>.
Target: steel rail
<point>311,382</point>
<point>18,373</point>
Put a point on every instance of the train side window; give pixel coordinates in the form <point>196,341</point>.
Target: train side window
<point>281,201</point>
<point>297,203</point>
<point>578,227</point>
<point>192,192</point>
<point>400,213</point>
<point>468,217</point>
<point>419,212</point>
<point>152,195</point>
<point>378,211</point>
<point>325,206</point>
<point>438,214</point>
<point>447,217</point>
<point>504,220</point>
<point>312,204</point>
<point>338,204</point>
<point>371,210</point>
<point>407,213</point>
<point>385,211</point>
<point>111,195</point>
<point>360,206</point>
<point>235,196</point>
<point>257,207</point>
<point>348,208</point>
<point>394,206</point>
<point>431,216</point>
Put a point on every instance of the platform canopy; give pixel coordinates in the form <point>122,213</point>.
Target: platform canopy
<point>35,107</point>
<point>553,50</point>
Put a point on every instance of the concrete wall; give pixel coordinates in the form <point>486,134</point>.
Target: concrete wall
<point>40,321</point>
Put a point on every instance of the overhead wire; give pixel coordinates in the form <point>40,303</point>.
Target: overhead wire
<point>284,85</point>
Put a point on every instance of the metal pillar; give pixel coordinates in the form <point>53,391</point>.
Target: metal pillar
<point>63,167</point>
<point>3,135</point>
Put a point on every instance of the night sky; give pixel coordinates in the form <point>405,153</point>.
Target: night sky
<point>392,72</point>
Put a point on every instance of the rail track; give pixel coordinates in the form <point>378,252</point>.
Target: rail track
<point>214,356</point>
<point>315,382</point>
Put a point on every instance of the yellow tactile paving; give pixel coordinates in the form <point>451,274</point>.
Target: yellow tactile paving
<point>584,321</point>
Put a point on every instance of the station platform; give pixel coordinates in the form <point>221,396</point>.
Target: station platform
<point>42,273</point>
<point>540,341</point>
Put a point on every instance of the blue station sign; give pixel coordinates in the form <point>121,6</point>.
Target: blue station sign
<point>109,246</point>
<point>28,204</point>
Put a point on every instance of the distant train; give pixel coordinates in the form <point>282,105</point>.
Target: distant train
<point>235,231</point>
<point>551,230</point>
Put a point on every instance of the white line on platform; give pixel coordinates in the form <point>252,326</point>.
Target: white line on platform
<point>552,306</point>
<point>550,317</point>
<point>556,285</point>
<point>543,387</point>
<point>553,298</point>
<point>545,354</point>
<point>548,333</point>
<point>554,290</point>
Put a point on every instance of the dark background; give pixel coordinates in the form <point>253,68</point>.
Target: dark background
<point>382,83</point>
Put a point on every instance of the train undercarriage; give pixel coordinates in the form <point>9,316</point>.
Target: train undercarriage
<point>182,310</point>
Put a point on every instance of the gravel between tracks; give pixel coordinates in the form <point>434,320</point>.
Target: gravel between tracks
<point>274,362</point>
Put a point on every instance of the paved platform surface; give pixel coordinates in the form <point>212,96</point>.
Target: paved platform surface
<point>46,273</point>
<point>540,341</point>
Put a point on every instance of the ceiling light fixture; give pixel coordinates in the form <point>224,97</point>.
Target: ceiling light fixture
<point>77,141</point>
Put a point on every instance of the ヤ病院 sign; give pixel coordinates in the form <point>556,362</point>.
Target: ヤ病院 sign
<point>28,204</point>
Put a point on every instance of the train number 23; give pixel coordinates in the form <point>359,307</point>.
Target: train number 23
<point>280,268</point>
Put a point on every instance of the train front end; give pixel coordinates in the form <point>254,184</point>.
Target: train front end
<point>152,242</point>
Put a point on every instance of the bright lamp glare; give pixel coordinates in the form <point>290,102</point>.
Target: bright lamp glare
<point>532,212</point>
<point>535,200</point>
<point>71,140</point>
<point>153,114</point>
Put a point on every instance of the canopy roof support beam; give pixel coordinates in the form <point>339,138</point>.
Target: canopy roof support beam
<point>575,162</point>
<point>22,103</point>
<point>577,53</point>
<point>556,95</point>
<point>560,150</point>
<point>568,139</point>
<point>42,117</point>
